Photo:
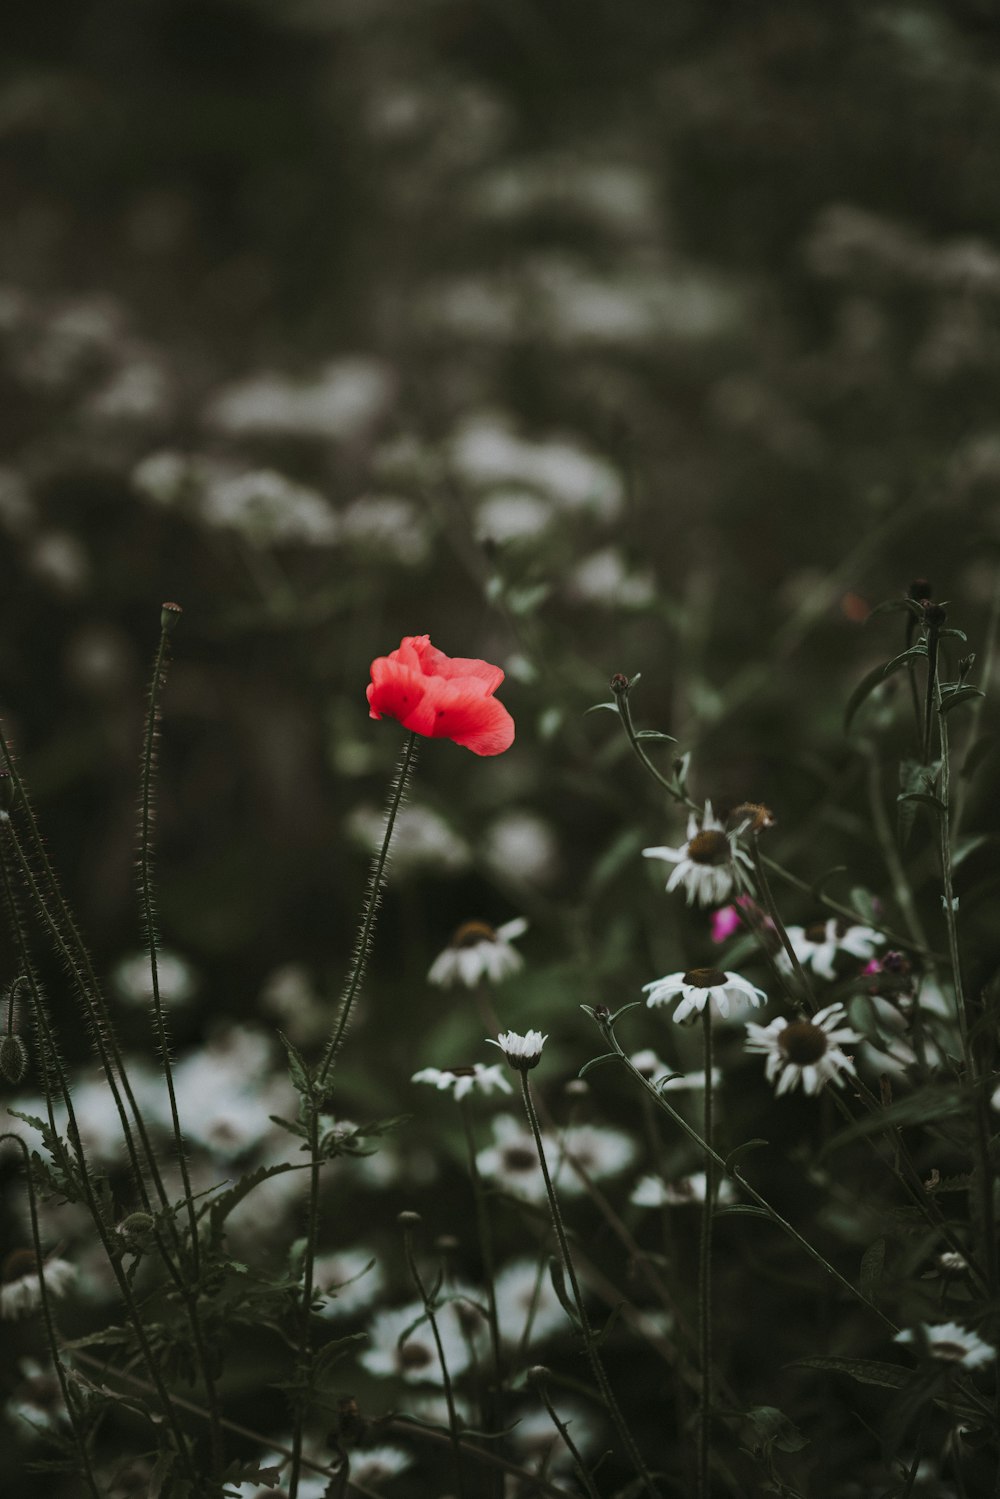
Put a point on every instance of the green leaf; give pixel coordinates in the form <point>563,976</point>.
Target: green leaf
<point>876,677</point>
<point>872,1267</point>
<point>298,1068</point>
<point>897,606</point>
<point>956,634</point>
<point>744,1210</point>
<point>220,1207</point>
<point>608,1056</point>
<point>918,1108</point>
<point>772,1428</point>
<point>611,707</point>
<point>863,1370</point>
<point>655,734</point>
<point>924,799</point>
<point>740,1151</point>
<point>960,695</point>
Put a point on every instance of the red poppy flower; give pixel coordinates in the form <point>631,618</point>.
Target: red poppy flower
<point>443,697</point>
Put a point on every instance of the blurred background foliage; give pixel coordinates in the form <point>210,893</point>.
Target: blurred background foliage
<point>588,338</point>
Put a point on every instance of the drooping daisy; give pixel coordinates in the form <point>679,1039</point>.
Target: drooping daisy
<point>459,1081</point>
<point>522,1052</point>
<point>20,1291</point>
<point>699,987</point>
<point>703,865</point>
<point>804,1050</point>
<point>818,944</point>
<point>948,1342</point>
<point>397,1347</point>
<point>478,952</point>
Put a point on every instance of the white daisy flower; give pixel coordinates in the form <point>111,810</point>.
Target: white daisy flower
<point>522,1052</point>
<point>20,1291</point>
<point>528,1309</point>
<point>511,1162</point>
<point>703,865</point>
<point>476,953</point>
<point>460,1081</point>
<point>349,1279</point>
<point>654,1192</point>
<point>539,1445</point>
<point>699,987</point>
<point>817,945</point>
<point>397,1347</point>
<point>948,1342</point>
<point>598,1150</point>
<point>804,1050</point>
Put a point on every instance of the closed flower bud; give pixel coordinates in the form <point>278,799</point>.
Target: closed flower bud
<point>170,617</point>
<point>136,1231</point>
<point>13,1059</point>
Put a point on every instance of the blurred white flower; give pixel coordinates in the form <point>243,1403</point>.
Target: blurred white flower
<point>512,1160</point>
<point>528,1309</point>
<point>654,1192</point>
<point>699,987</point>
<point>397,1347</point>
<point>804,1050</point>
<point>523,844</point>
<point>341,403</point>
<point>268,510</point>
<point>948,1342</point>
<point>36,1398</point>
<point>598,1150</point>
<point>177,979</point>
<point>389,528</point>
<point>604,579</point>
<point>350,1280</point>
<point>422,839</point>
<point>59,559</point>
<point>540,1446</point>
<point>375,1464</point>
<point>477,952</point>
<point>511,515</point>
<point>649,1064</point>
<point>20,1288</point>
<point>703,865</point>
<point>486,454</point>
<point>817,945</point>
<point>460,1081</point>
<point>227,1090</point>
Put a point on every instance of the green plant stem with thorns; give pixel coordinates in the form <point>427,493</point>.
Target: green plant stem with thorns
<point>152,941</point>
<point>318,1096</point>
<point>586,1332</point>
<point>84,1179</point>
<point>72,1407</point>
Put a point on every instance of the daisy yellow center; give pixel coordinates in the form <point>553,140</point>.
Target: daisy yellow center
<point>471,933</point>
<point>803,1043</point>
<point>711,847</point>
<point>19,1263</point>
<point>704,978</point>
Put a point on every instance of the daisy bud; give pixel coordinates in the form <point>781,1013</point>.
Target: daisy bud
<point>13,1059</point>
<point>620,684</point>
<point>935,615</point>
<point>170,617</point>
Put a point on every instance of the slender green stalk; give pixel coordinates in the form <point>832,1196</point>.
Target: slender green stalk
<point>79,1436</point>
<point>730,1170</point>
<point>768,902</point>
<point>409,1221</point>
<point>489,1265</point>
<point>705,1273</point>
<point>537,1379</point>
<point>590,1342</point>
<point>362,951</point>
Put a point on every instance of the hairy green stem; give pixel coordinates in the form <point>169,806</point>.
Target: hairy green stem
<point>596,1362</point>
<point>705,1273</point>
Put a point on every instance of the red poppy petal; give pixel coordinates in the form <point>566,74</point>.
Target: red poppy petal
<point>395,691</point>
<point>435,663</point>
<point>480,724</point>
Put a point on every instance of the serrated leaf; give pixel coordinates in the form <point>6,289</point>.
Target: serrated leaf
<point>960,695</point>
<point>298,1068</point>
<point>220,1207</point>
